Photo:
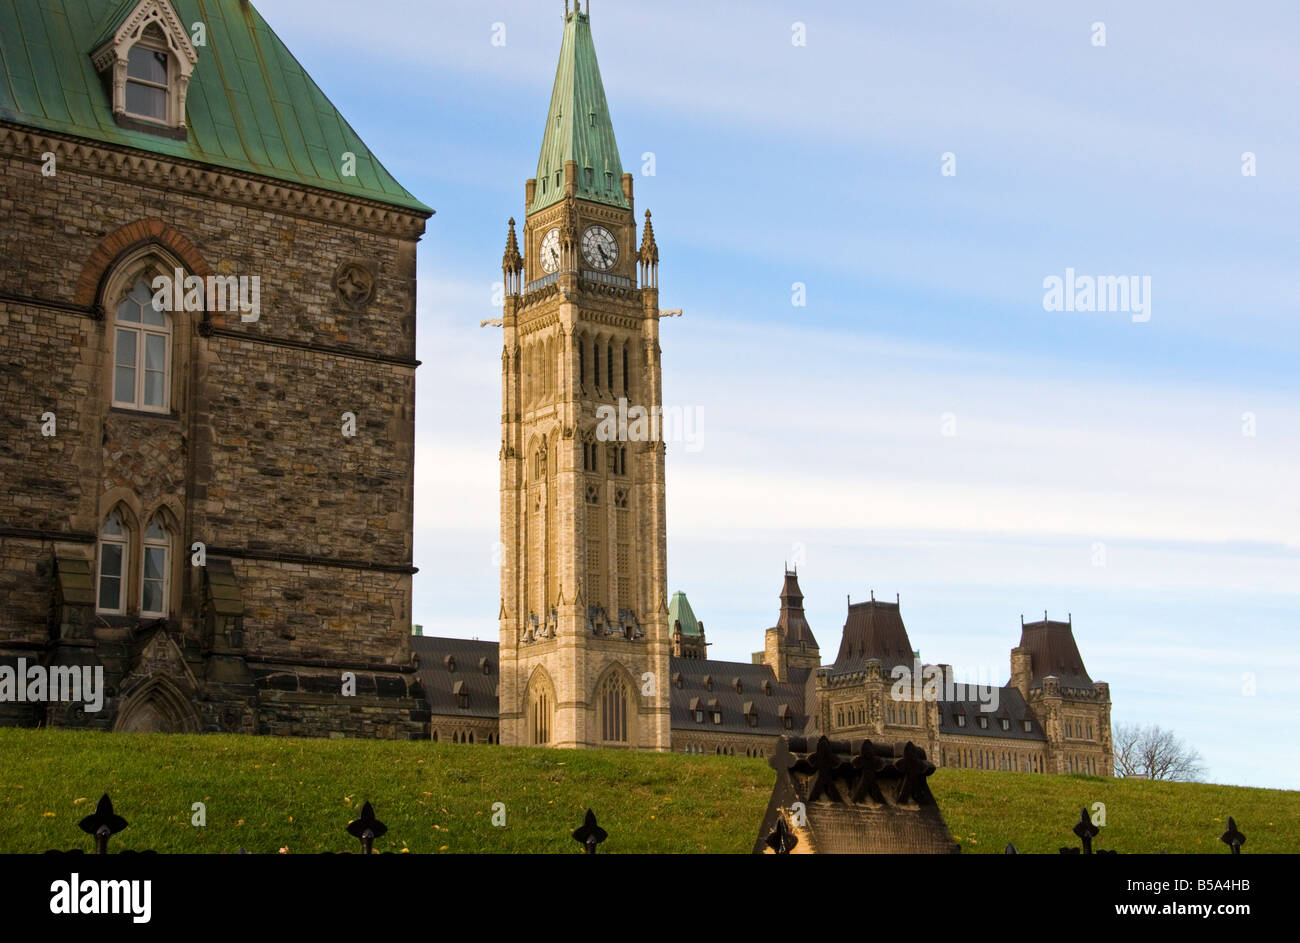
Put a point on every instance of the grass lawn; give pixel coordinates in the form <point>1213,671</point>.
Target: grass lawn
<point>268,794</point>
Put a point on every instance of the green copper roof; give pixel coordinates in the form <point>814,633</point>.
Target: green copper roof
<point>578,126</point>
<point>679,610</point>
<point>250,106</point>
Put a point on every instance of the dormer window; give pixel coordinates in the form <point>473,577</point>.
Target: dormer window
<point>1028,726</point>
<point>961,720</point>
<point>984,723</point>
<point>147,62</point>
<point>146,80</point>
<point>1004,723</point>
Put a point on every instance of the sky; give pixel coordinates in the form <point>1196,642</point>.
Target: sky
<point>921,425</point>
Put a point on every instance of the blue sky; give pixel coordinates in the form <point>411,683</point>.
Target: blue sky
<point>1080,438</point>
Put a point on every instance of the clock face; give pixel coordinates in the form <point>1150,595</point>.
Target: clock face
<point>551,251</point>
<point>599,248</point>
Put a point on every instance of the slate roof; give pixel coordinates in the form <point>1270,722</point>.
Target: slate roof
<point>1011,706</point>
<point>1053,651</point>
<point>873,629</point>
<point>250,105</point>
<point>465,672</point>
<point>579,126</point>
<point>693,672</point>
<point>792,622</point>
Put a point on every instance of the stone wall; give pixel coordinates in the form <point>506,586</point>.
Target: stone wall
<point>250,457</point>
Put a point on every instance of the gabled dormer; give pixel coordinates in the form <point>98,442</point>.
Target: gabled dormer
<point>146,59</point>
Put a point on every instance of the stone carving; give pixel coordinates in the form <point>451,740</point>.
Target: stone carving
<point>355,284</point>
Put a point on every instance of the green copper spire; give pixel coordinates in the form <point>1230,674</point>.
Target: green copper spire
<point>679,610</point>
<point>578,126</point>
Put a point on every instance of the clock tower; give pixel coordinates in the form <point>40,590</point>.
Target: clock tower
<point>583,618</point>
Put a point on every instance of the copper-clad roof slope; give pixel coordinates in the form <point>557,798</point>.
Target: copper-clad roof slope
<point>792,623</point>
<point>578,125</point>
<point>1052,651</point>
<point>250,106</point>
<point>873,629</point>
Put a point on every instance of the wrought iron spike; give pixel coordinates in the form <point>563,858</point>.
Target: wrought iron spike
<point>367,828</point>
<point>1233,838</point>
<point>1010,849</point>
<point>589,834</point>
<point>103,823</point>
<point>1086,831</point>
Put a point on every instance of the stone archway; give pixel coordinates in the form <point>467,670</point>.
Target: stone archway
<point>157,706</point>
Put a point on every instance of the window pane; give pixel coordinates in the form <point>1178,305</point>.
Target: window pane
<point>128,310</point>
<point>140,293</point>
<point>126,347</point>
<point>110,573</point>
<point>153,388</point>
<point>146,100</point>
<point>152,599</point>
<point>110,560</point>
<point>153,315</point>
<point>147,64</point>
<point>110,593</point>
<point>124,385</point>
<point>113,525</point>
<point>155,558</point>
<point>155,351</point>
<point>156,531</point>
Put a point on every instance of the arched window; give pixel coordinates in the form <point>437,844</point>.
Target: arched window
<point>113,546</point>
<point>142,352</point>
<point>612,701</point>
<point>627,383</point>
<point>582,361</point>
<point>154,570</point>
<point>609,362</point>
<point>541,711</point>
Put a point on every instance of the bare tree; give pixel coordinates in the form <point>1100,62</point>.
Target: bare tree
<point>1151,752</point>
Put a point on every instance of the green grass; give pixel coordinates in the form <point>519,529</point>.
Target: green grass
<point>266,794</point>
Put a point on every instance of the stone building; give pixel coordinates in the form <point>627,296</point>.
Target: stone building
<point>1049,718</point>
<point>584,643</point>
<point>589,656</point>
<point>208,492</point>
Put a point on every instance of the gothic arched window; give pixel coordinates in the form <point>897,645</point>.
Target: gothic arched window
<point>113,547</point>
<point>541,718</point>
<point>142,352</point>
<point>612,703</point>
<point>154,570</point>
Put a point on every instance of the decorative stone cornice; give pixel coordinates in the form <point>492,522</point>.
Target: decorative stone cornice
<point>205,180</point>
